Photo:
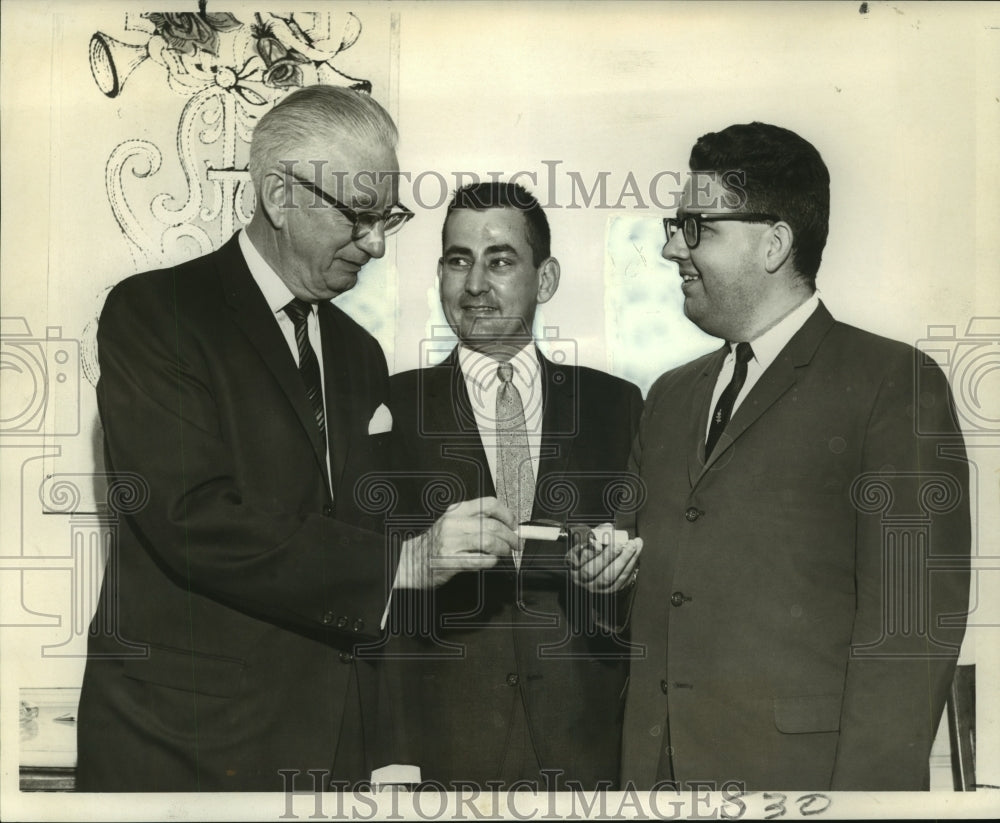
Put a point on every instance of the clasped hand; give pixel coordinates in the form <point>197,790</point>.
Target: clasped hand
<point>468,536</point>
<point>600,565</point>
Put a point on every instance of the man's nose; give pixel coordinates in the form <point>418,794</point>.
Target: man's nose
<point>676,248</point>
<point>373,243</point>
<point>476,281</point>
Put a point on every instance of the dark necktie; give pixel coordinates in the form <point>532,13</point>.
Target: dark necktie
<point>515,477</point>
<point>724,408</point>
<point>299,311</point>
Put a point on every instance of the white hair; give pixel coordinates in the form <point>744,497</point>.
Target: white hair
<point>310,113</point>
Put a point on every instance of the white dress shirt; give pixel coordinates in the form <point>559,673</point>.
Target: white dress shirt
<point>482,383</point>
<point>766,349</point>
<point>278,295</point>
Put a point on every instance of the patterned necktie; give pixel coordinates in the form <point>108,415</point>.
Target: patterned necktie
<point>299,311</point>
<point>724,408</point>
<point>515,477</point>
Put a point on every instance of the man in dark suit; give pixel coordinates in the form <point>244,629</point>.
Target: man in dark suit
<point>511,670</point>
<point>804,584</point>
<point>221,656</point>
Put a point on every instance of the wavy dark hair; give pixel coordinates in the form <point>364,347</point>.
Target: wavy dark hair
<point>780,173</point>
<point>496,195</point>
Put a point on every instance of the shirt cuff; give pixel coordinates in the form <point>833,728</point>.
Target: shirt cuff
<point>388,605</point>
<point>394,775</point>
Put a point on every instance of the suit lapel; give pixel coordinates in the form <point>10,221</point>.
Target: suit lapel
<point>336,379</point>
<point>459,416</point>
<point>779,377</point>
<point>251,313</point>
<point>701,397</point>
<point>447,410</point>
<point>559,398</point>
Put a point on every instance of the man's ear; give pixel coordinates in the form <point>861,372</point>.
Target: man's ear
<point>548,279</point>
<point>779,246</point>
<point>275,198</point>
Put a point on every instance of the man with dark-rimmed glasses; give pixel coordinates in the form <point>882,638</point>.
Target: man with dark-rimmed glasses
<point>248,409</point>
<point>363,222</point>
<point>804,580</point>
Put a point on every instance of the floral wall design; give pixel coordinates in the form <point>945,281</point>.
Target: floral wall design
<point>230,68</point>
<point>231,71</point>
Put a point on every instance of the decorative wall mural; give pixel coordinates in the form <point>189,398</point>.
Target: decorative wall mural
<point>188,89</point>
<point>232,71</point>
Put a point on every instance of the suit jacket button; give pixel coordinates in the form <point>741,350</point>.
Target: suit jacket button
<point>346,657</point>
<point>327,618</point>
<point>328,510</point>
<point>677,598</point>
<point>512,679</point>
<point>693,514</point>
<point>359,624</point>
<point>664,686</point>
<point>341,622</point>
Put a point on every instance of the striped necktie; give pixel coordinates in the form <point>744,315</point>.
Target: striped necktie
<point>299,310</point>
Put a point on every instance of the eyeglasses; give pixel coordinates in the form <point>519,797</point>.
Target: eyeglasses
<point>691,223</point>
<point>362,222</point>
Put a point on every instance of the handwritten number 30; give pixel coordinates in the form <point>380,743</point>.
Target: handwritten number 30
<point>808,804</point>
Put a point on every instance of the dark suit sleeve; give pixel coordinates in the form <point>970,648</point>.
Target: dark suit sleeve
<point>912,595</point>
<point>164,418</point>
<point>635,413</point>
<point>631,496</point>
<point>626,516</point>
<point>621,492</point>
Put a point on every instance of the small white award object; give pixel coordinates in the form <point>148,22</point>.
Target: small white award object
<point>550,532</point>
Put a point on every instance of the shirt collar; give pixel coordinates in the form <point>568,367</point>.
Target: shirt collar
<point>481,369</point>
<point>768,346</point>
<point>275,292</point>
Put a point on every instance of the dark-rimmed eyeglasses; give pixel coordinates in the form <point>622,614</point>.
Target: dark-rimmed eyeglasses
<point>362,222</point>
<point>690,224</point>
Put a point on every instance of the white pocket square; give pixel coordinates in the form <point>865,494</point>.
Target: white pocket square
<point>381,421</point>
